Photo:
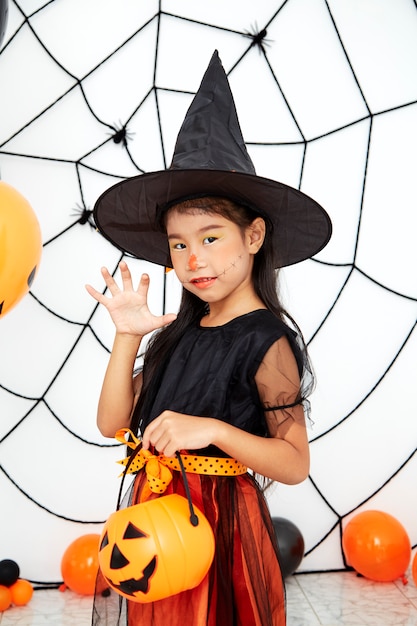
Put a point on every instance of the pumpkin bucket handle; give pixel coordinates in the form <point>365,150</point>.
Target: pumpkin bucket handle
<point>193,517</point>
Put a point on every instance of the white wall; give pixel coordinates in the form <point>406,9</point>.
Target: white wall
<point>336,105</point>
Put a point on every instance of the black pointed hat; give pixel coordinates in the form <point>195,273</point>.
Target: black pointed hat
<point>210,159</point>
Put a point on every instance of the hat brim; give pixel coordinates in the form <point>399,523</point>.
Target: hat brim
<point>126,213</point>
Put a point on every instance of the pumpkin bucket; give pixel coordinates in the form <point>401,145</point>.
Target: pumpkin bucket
<point>156,549</point>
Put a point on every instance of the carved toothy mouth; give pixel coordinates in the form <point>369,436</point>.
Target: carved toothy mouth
<point>133,585</point>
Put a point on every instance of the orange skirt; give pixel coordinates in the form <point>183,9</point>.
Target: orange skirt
<point>244,585</point>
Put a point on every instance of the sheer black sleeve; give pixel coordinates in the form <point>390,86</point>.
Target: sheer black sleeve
<point>282,390</point>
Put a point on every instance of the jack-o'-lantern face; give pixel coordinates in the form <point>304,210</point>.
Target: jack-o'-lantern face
<point>20,247</point>
<point>150,551</point>
<point>120,561</point>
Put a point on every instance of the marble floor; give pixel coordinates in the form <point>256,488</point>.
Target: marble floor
<point>331,599</point>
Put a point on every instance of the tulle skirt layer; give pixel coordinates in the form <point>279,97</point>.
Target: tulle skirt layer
<point>243,587</point>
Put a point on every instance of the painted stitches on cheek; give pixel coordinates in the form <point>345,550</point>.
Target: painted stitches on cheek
<point>232,265</point>
<point>209,279</point>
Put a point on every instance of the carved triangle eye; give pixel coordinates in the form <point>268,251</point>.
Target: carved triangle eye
<point>133,532</point>
<point>118,560</point>
<point>31,276</point>
<point>104,541</point>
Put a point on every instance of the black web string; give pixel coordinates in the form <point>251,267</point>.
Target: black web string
<point>81,216</point>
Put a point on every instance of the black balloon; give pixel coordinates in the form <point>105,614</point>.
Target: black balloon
<point>9,572</point>
<point>290,544</point>
<point>4,14</point>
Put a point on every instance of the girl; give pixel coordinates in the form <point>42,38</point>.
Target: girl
<point>224,379</point>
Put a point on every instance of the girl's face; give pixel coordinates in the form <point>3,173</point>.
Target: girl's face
<point>211,255</point>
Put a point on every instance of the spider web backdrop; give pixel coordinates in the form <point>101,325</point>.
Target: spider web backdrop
<point>94,92</point>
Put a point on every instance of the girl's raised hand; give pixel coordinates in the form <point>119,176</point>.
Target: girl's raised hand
<point>128,307</point>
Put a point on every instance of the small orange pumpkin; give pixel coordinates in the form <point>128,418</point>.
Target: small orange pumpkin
<point>151,550</point>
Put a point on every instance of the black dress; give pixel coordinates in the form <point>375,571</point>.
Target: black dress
<point>211,373</point>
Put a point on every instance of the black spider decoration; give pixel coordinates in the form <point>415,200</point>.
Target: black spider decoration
<point>86,216</point>
<point>258,37</point>
<point>121,135</point>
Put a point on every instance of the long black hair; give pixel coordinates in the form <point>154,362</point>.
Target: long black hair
<point>265,281</point>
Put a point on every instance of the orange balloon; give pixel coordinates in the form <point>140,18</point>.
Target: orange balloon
<point>79,564</point>
<point>20,247</point>
<point>377,546</point>
<point>22,592</point>
<point>5,598</point>
<point>414,569</point>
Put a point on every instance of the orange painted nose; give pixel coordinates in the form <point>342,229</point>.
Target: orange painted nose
<point>192,262</point>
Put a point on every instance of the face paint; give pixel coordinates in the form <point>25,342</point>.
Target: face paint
<point>192,262</point>
<point>232,265</point>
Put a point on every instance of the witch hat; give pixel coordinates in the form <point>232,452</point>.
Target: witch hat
<point>210,159</point>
